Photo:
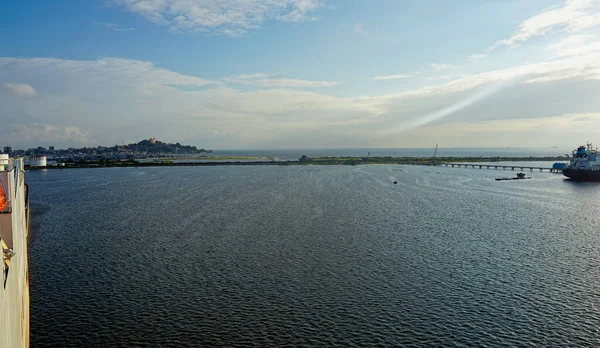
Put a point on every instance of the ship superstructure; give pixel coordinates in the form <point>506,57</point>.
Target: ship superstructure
<point>14,277</point>
<point>584,164</point>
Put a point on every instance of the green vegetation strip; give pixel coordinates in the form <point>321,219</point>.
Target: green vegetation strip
<point>303,161</point>
<point>420,160</point>
<point>212,158</point>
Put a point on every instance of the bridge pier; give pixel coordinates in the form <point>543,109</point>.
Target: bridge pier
<point>497,167</point>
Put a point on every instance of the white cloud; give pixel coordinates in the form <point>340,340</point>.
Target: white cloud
<point>439,67</point>
<point>294,83</point>
<point>572,17</point>
<point>476,57</point>
<point>393,77</point>
<point>107,101</point>
<point>359,30</point>
<point>574,45</point>
<point>276,80</point>
<point>584,67</point>
<point>40,133</point>
<point>126,73</point>
<point>232,17</point>
<point>20,90</point>
<point>112,26</point>
<point>253,76</point>
<point>299,9</point>
<point>562,130</point>
<point>569,42</point>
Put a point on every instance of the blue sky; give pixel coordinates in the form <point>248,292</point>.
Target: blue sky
<point>300,73</point>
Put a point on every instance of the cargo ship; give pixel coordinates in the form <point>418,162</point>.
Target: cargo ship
<point>14,285</point>
<point>584,165</point>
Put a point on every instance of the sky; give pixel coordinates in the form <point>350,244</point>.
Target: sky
<point>269,74</point>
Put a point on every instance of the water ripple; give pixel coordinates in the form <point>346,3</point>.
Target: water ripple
<point>312,256</point>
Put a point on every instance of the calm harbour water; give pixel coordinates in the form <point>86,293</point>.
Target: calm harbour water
<point>312,256</point>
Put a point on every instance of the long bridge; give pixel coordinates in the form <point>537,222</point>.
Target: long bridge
<point>500,166</point>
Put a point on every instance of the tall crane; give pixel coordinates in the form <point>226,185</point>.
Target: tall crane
<point>434,154</point>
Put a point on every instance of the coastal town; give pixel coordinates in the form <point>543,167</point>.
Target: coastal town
<point>147,148</point>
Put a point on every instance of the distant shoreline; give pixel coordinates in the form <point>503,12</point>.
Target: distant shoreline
<point>305,161</point>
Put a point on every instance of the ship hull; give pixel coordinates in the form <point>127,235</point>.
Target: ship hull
<point>14,270</point>
<point>582,175</point>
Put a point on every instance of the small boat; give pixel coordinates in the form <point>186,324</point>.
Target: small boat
<point>520,176</point>
<point>395,182</point>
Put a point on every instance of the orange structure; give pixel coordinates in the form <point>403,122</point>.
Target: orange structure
<point>2,199</point>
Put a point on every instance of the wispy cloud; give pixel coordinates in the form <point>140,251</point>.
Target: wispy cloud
<point>232,18</point>
<point>476,57</point>
<point>46,133</point>
<point>112,96</point>
<point>254,76</point>
<point>129,72</point>
<point>569,42</point>
<point>394,77</point>
<point>276,80</point>
<point>573,16</point>
<point>360,30</point>
<point>574,45</point>
<point>112,26</point>
<point>443,77</point>
<point>20,90</point>
<point>439,67</point>
<point>294,83</point>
